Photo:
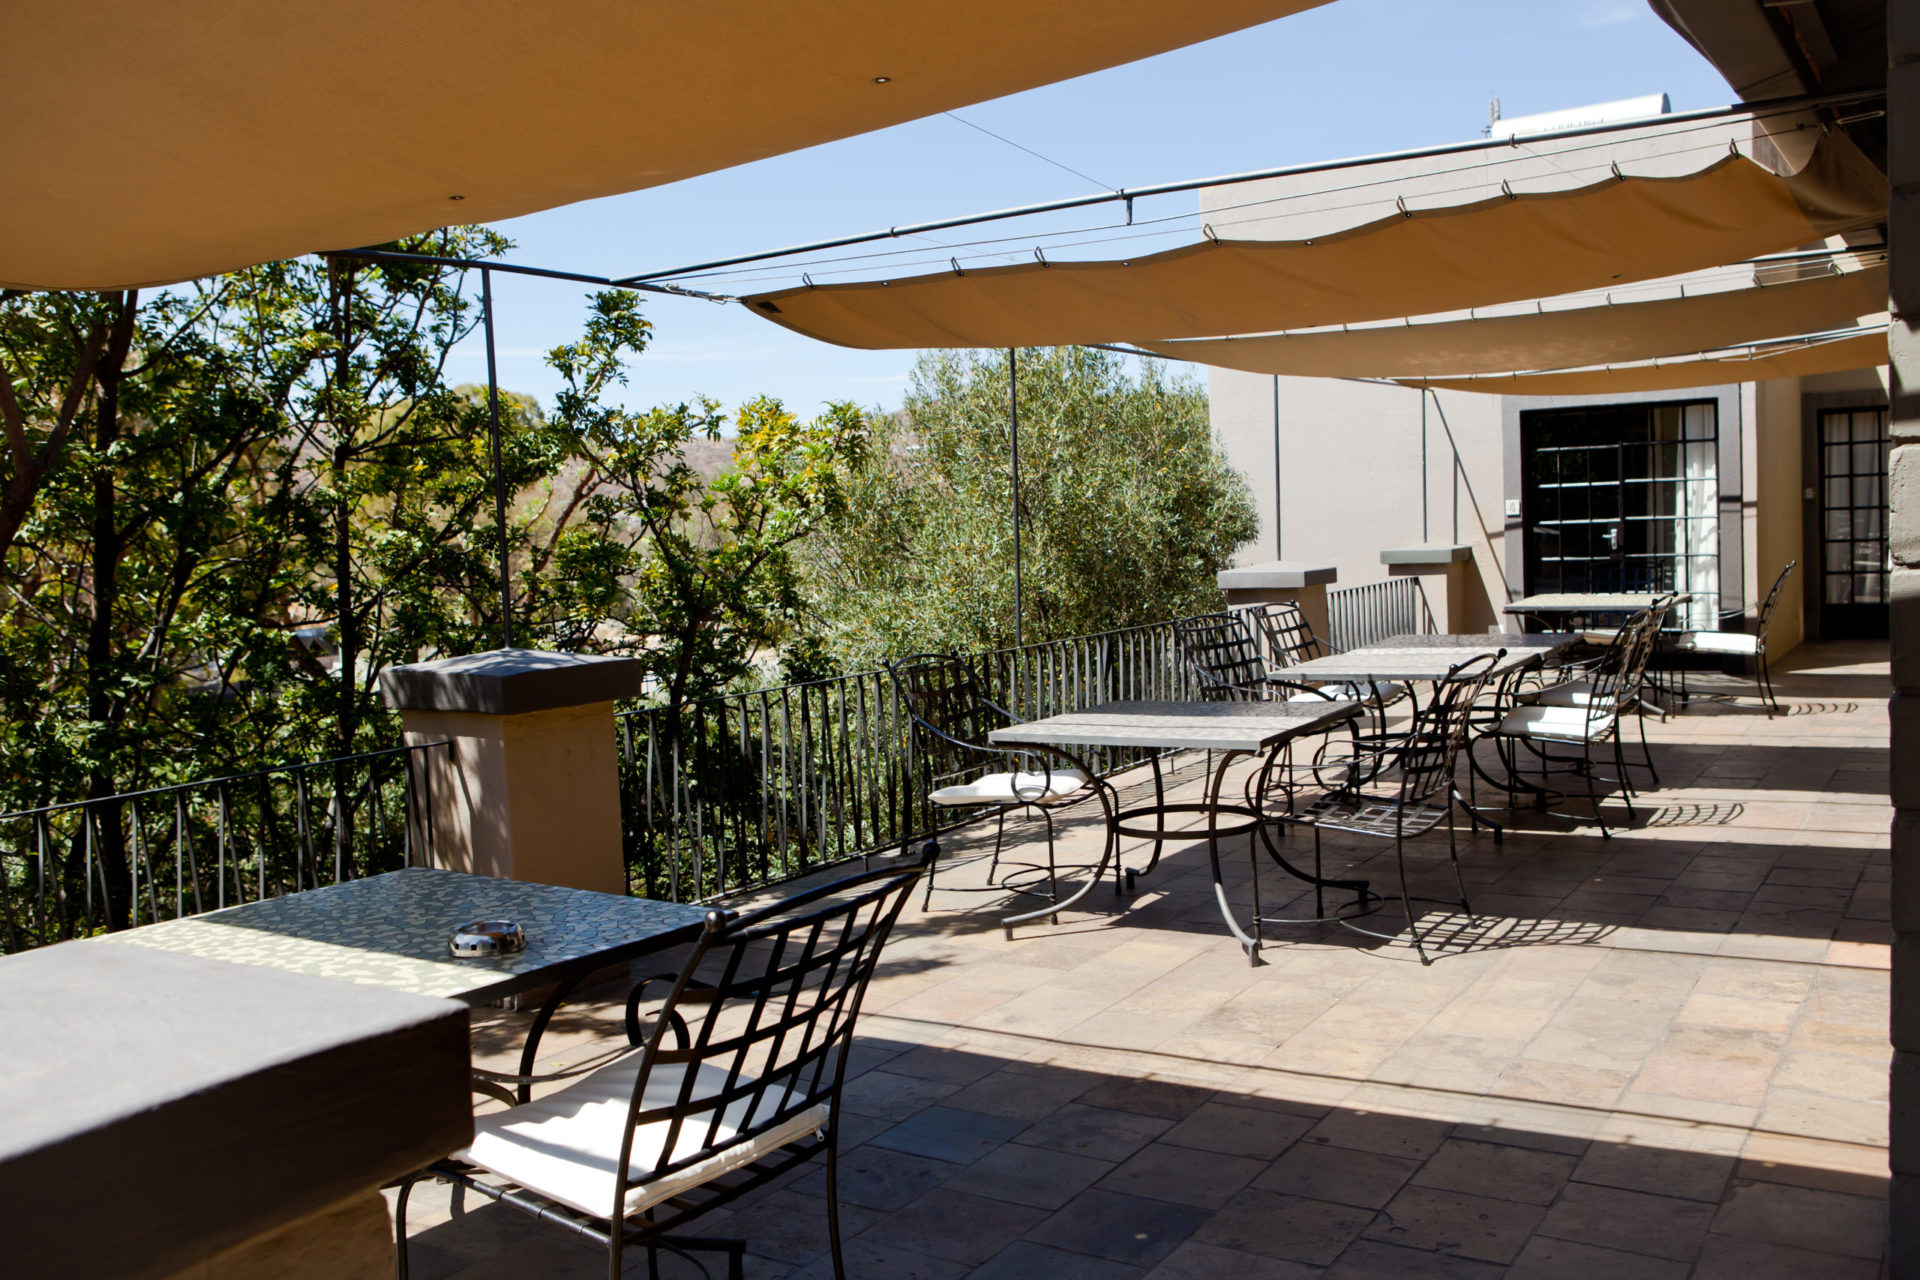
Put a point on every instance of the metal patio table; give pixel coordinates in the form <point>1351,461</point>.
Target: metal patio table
<point>391,931</point>
<point>1418,659</point>
<point>1233,729</point>
<point>1570,605</point>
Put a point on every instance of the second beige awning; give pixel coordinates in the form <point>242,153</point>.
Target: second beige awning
<point>1501,250</point>
<point>1710,369</point>
<point>1563,339</point>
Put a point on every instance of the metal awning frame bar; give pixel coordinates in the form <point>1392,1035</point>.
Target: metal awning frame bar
<point>1767,107</point>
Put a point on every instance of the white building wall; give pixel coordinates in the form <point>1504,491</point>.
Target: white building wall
<point>1347,482</point>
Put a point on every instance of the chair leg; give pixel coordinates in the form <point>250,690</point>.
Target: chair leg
<point>1053,886</point>
<point>833,1207</point>
<point>931,852</point>
<point>1453,853</point>
<point>400,1229</point>
<point>1620,767</point>
<point>616,1243</point>
<point>1646,753</point>
<point>1766,685</point>
<point>999,835</point>
<point>1593,794</point>
<point>1406,897</point>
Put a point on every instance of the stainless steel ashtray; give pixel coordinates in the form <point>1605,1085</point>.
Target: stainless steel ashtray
<point>480,939</point>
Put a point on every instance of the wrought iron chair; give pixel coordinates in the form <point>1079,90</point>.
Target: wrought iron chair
<point>1587,716</point>
<point>1228,665</point>
<point>952,717</point>
<point>1402,787</point>
<point>1741,644</point>
<point>1227,662</point>
<point>1576,686</point>
<point>1290,642</point>
<point>734,1081</point>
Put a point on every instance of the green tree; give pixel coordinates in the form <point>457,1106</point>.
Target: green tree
<point>697,572</point>
<point>1127,509</point>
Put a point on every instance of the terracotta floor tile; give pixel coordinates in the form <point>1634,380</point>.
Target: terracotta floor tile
<point>1183,1175</point>
<point>1196,1261</point>
<point>1690,1175</point>
<point>1496,1170</point>
<point>1545,1258</point>
<point>1373,1260</point>
<point>1312,1171</point>
<point>1726,1258</point>
<point>1120,1228</point>
<point>1239,1131</point>
<point>1821,1221</point>
<point>1283,1226</point>
<point>1444,1221</point>
<point>1028,1175</point>
<point>1630,1221</point>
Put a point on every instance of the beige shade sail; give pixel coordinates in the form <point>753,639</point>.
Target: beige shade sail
<point>152,142</point>
<point>1559,339</point>
<point>1492,251</point>
<point>1862,351</point>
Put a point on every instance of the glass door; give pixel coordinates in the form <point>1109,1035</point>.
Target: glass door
<point>1854,560</point>
<point>1624,498</point>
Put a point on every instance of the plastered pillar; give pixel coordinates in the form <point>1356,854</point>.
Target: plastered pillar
<point>1449,582</point>
<point>1903,342</point>
<point>530,786</point>
<point>1283,581</point>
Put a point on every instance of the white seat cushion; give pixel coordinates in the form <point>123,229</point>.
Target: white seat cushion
<point>1012,788</point>
<point>1574,693</point>
<point>564,1146</point>
<point>1359,691</point>
<point>1561,724</point>
<point>1601,636</point>
<point>1737,643</point>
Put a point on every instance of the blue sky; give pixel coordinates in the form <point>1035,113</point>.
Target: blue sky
<point>1351,78</point>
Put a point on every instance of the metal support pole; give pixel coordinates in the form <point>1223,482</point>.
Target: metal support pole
<point>499,480</point>
<point>1279,541</point>
<point>1423,465</point>
<point>1013,419</point>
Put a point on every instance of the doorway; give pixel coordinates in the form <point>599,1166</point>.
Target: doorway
<point>1624,498</point>
<point>1854,562</point>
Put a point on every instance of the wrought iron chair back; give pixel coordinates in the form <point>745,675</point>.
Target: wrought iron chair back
<point>1290,641</point>
<point>1427,753</point>
<point>1222,652</point>
<point>767,1039</point>
<point>951,715</point>
<point>1613,679</point>
<point>1766,608</point>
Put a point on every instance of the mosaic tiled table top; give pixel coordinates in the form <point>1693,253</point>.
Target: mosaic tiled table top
<point>1425,657</point>
<point>1199,726</point>
<point>391,931</point>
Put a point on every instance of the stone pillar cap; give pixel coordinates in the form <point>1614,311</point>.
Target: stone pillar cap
<point>1428,553</point>
<point>507,682</point>
<point>1282,574</point>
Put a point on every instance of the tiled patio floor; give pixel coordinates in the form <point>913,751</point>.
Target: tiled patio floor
<point>1662,1055</point>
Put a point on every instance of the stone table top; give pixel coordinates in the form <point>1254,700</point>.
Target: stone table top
<point>1427,657</point>
<point>1197,726</point>
<point>1594,601</point>
<point>391,931</point>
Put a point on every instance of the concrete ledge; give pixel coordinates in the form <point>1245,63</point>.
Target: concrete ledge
<point>1428,553</point>
<point>1276,575</point>
<point>157,1110</point>
<point>505,682</point>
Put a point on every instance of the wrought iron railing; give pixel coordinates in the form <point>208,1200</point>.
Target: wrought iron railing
<point>85,866</point>
<point>751,789</point>
<point>1375,610</point>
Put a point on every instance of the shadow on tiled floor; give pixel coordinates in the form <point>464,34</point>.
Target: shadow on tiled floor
<point>1659,1055</point>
